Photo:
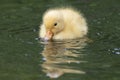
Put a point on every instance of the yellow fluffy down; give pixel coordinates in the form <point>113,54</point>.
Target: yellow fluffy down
<point>63,23</point>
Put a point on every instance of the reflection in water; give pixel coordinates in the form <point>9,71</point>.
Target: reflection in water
<point>62,57</point>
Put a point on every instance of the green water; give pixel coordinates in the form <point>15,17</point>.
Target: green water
<point>24,57</point>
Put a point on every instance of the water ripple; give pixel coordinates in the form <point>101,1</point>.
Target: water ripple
<point>62,57</point>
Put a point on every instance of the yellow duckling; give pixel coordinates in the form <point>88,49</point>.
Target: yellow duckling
<point>63,23</point>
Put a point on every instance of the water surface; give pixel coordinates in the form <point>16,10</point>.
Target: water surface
<point>24,57</point>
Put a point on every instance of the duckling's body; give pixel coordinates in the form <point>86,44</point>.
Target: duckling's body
<point>63,23</point>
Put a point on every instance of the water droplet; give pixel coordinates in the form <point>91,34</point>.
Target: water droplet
<point>117,52</point>
<point>98,34</point>
<point>37,39</point>
<point>26,54</point>
<point>44,59</point>
<point>116,48</point>
<point>34,30</point>
<point>10,35</point>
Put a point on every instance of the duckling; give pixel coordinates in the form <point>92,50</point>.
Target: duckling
<point>63,23</point>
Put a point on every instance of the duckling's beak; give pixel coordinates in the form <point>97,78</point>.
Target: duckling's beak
<point>48,35</point>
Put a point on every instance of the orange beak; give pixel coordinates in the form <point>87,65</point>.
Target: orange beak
<point>48,35</point>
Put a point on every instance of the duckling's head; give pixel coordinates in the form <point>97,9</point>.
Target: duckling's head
<point>54,23</point>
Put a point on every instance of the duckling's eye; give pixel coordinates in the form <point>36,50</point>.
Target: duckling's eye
<point>55,24</point>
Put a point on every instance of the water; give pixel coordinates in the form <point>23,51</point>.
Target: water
<point>24,57</point>
<point>60,57</point>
